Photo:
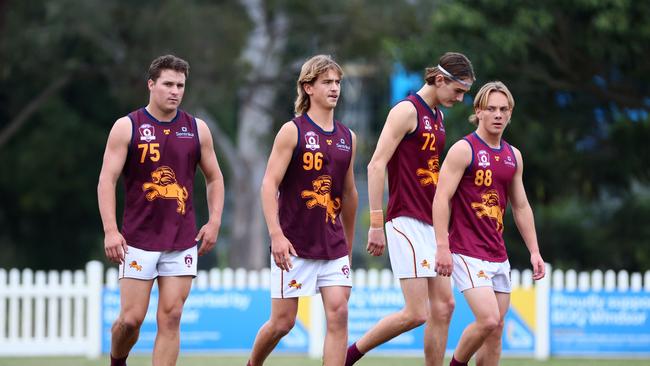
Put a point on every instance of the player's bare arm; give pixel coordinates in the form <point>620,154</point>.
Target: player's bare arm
<point>524,219</point>
<point>283,146</point>
<point>114,158</point>
<point>350,200</point>
<point>401,120</point>
<point>458,159</point>
<point>215,189</point>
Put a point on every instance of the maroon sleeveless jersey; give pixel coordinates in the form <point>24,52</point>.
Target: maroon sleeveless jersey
<point>158,177</point>
<point>311,190</point>
<point>414,167</point>
<point>478,206</point>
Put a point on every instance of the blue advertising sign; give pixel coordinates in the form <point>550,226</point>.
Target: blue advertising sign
<point>588,323</point>
<point>213,320</point>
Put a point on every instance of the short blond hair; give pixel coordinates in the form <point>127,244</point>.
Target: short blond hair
<point>481,99</point>
<point>309,72</point>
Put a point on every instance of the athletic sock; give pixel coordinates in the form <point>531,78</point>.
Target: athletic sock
<point>118,361</point>
<point>353,355</point>
<point>455,362</point>
<point>249,363</point>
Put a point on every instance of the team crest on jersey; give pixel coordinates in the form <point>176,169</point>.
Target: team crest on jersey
<point>342,145</point>
<point>167,131</point>
<point>184,134</point>
<point>312,141</point>
<point>427,123</point>
<point>483,159</point>
<point>147,132</point>
<point>188,260</point>
<point>163,185</point>
<point>430,175</point>
<point>321,196</point>
<point>509,161</point>
<point>489,207</point>
<point>329,142</point>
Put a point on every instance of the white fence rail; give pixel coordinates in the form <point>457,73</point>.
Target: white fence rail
<point>59,313</point>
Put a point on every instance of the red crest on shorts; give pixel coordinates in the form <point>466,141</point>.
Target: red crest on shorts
<point>346,271</point>
<point>188,260</point>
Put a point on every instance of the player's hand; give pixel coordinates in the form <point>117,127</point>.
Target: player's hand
<point>115,246</point>
<point>444,263</point>
<point>539,268</point>
<point>208,237</point>
<point>376,241</point>
<point>282,250</point>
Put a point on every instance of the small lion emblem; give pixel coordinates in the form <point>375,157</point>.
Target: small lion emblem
<point>425,264</point>
<point>481,274</point>
<point>489,206</point>
<point>136,266</point>
<point>320,196</point>
<point>429,175</point>
<point>165,186</point>
<point>295,284</point>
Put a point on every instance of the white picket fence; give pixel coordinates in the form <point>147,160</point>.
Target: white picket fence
<point>59,313</point>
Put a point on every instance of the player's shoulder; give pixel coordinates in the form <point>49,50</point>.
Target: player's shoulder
<point>404,108</point>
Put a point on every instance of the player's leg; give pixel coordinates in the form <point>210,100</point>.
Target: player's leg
<point>134,300</point>
<point>413,314</point>
<point>173,292</point>
<point>282,320</point>
<point>441,307</point>
<point>490,353</point>
<point>176,271</point>
<point>483,303</point>
<point>136,279</point>
<point>335,302</point>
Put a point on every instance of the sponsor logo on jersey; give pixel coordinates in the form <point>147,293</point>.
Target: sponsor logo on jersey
<point>483,158</point>
<point>509,161</point>
<point>343,145</point>
<point>184,134</point>
<point>312,141</point>
<point>147,132</point>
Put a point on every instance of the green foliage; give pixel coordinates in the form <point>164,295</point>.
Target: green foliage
<point>578,72</point>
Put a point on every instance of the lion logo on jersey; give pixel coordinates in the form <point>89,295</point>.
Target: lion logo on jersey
<point>320,196</point>
<point>430,175</point>
<point>489,207</point>
<point>165,186</point>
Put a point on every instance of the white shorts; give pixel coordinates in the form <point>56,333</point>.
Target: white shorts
<point>412,248</point>
<point>308,275</point>
<point>470,272</point>
<point>147,265</point>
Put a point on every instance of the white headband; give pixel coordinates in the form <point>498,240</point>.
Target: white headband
<point>452,77</point>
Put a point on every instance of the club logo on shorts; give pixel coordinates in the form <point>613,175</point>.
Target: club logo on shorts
<point>135,265</point>
<point>188,260</point>
<point>295,284</point>
<point>481,274</point>
<point>425,264</point>
<point>147,132</point>
<point>346,271</point>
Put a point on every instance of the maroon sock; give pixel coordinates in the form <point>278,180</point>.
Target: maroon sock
<point>249,363</point>
<point>455,362</point>
<point>118,361</point>
<point>353,355</point>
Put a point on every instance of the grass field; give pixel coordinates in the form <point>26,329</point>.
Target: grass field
<point>302,361</point>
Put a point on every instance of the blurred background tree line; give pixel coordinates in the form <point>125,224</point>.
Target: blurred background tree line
<point>579,72</point>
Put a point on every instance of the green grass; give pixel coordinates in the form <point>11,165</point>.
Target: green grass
<point>302,361</point>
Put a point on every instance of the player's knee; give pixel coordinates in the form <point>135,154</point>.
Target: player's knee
<point>170,318</point>
<point>441,311</point>
<point>413,319</point>
<point>282,327</point>
<point>337,317</point>
<point>127,324</point>
<point>489,324</point>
